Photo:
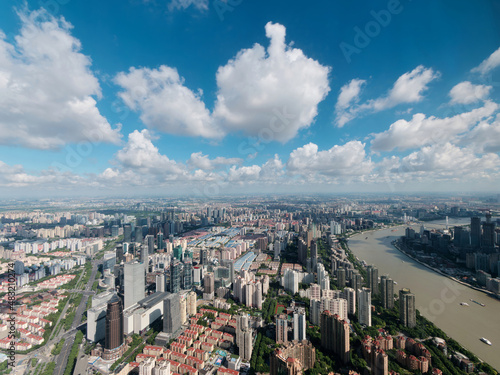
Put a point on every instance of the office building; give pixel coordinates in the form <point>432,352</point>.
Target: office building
<point>113,340</point>
<point>127,233</point>
<point>187,274</point>
<point>475,231</point>
<point>134,283</point>
<point>387,292</point>
<point>209,286</point>
<point>175,276</point>
<point>171,313</point>
<point>160,282</point>
<point>407,310</point>
<point>365,307</point>
<point>302,251</point>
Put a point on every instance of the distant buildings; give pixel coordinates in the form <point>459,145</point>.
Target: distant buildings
<point>407,310</point>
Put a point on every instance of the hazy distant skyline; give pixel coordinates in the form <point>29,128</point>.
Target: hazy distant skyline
<point>206,98</point>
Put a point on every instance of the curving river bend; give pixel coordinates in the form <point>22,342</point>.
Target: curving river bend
<point>437,297</point>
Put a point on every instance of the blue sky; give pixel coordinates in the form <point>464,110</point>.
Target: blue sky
<point>204,97</point>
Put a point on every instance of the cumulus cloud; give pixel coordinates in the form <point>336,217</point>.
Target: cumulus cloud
<point>15,176</point>
<point>340,160</point>
<point>47,89</point>
<point>448,157</point>
<point>257,83</point>
<point>422,130</point>
<point>484,137</point>
<point>408,88</point>
<point>468,93</point>
<point>165,103</point>
<point>142,156</point>
<point>349,95</point>
<point>489,64</point>
<point>203,162</point>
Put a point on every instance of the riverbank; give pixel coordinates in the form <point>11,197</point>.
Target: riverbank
<point>437,298</point>
<point>491,294</point>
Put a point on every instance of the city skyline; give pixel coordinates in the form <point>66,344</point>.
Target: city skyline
<point>206,98</point>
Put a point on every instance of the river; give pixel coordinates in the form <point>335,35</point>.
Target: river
<point>437,297</point>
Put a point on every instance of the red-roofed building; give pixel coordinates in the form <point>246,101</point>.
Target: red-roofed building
<point>227,371</point>
<point>195,362</point>
<point>178,347</point>
<point>186,369</point>
<point>157,351</point>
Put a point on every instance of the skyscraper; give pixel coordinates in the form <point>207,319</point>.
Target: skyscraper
<point>191,303</point>
<point>341,276</point>
<point>281,329</point>
<point>475,231</point>
<point>113,338</point>
<point>127,233</point>
<point>209,286</point>
<point>114,324</point>
<point>134,283</point>
<point>356,280</point>
<point>365,307</point>
<point>171,313</point>
<point>350,296</point>
<point>372,279</point>
<point>187,274</point>
<point>299,325</point>
<point>387,292</point>
<point>335,335</point>
<point>314,255</point>
<point>407,311</point>
<point>488,237</point>
<point>175,276</point>
<point>302,251</point>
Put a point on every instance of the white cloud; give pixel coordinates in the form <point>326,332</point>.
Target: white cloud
<point>47,89</point>
<point>467,93</point>
<point>184,4</point>
<point>408,88</point>
<point>143,157</point>
<point>447,158</point>
<point>349,95</point>
<point>242,174</point>
<point>165,103</point>
<point>484,137</point>
<point>340,160</point>
<point>422,130</point>
<point>255,86</point>
<point>489,64</point>
<point>203,162</point>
